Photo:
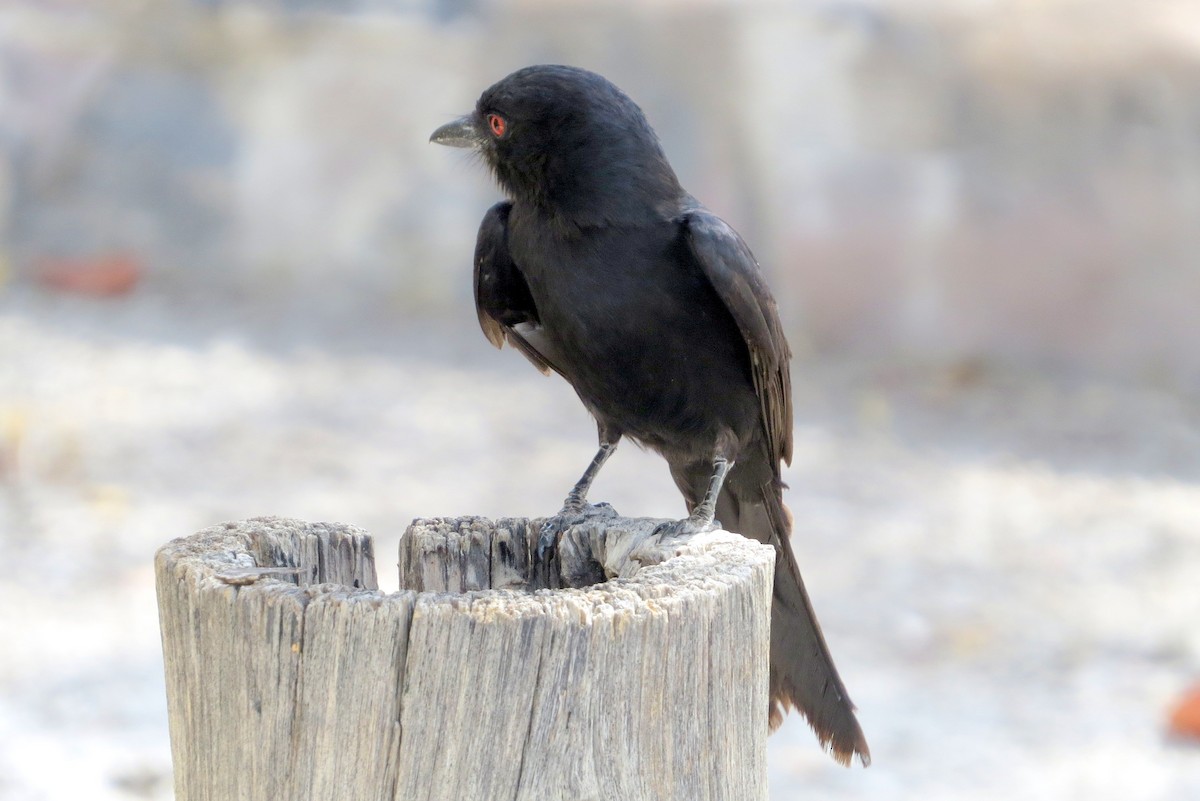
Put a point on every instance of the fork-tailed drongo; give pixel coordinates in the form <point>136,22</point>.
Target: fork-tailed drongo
<point>601,268</point>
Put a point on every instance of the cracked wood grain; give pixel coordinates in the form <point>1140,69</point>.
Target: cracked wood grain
<point>630,669</point>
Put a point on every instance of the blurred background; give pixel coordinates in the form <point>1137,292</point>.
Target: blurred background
<point>235,281</point>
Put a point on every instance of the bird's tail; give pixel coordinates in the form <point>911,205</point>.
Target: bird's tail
<point>803,675</point>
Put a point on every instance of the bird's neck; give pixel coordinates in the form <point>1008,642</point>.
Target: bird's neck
<point>617,190</point>
<point>615,204</point>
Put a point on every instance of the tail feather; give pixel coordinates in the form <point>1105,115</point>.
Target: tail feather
<point>802,671</point>
<point>803,675</point>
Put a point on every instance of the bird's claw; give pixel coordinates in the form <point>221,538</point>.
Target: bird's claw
<point>668,538</point>
<point>676,532</point>
<point>570,515</point>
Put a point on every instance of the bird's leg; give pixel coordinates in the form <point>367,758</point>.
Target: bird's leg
<point>702,515</point>
<point>576,500</point>
<point>575,507</point>
<point>701,518</point>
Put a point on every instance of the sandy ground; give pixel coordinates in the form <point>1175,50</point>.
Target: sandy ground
<point>1007,564</point>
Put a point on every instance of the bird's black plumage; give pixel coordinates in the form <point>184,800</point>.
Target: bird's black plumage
<point>600,267</point>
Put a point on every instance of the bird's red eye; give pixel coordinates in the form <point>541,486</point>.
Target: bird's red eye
<point>497,124</point>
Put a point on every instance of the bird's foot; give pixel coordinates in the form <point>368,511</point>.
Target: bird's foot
<point>666,540</point>
<point>672,534</point>
<point>570,515</point>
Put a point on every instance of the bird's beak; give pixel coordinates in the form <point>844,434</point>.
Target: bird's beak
<point>463,132</point>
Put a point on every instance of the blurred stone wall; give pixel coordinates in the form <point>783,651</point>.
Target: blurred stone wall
<point>1017,179</point>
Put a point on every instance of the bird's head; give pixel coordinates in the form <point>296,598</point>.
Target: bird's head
<point>570,143</point>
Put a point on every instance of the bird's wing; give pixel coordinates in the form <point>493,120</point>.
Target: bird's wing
<point>503,303</point>
<point>731,269</point>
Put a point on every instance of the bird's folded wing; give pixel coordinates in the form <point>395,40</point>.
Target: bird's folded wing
<point>730,267</point>
<point>502,300</point>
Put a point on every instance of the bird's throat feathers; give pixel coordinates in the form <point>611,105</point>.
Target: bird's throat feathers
<point>593,183</point>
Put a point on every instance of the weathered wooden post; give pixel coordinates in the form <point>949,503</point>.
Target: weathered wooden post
<point>290,676</point>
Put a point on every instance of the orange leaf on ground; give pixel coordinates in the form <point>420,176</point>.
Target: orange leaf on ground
<point>1185,716</point>
<point>100,275</point>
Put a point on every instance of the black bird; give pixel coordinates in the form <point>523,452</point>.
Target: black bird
<point>600,267</point>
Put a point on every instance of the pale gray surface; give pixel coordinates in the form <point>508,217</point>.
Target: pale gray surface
<point>1004,562</point>
<point>964,208</point>
<point>647,687</point>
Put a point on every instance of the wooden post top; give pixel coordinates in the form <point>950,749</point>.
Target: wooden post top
<point>460,555</point>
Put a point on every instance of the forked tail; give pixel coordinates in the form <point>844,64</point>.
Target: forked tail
<point>803,675</point>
